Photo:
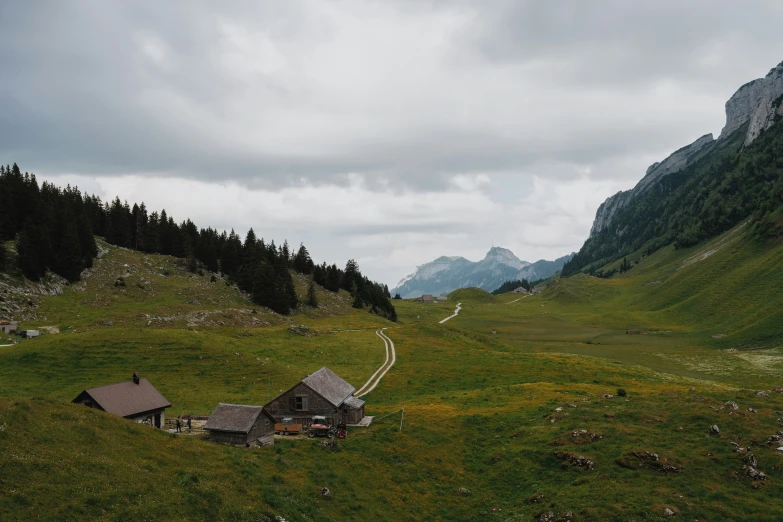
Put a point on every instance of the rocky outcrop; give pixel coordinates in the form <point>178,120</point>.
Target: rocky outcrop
<point>677,161</point>
<point>757,102</point>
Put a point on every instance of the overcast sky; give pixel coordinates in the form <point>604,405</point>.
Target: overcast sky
<point>392,132</point>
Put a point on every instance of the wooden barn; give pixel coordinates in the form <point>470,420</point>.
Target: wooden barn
<point>321,393</point>
<point>137,400</point>
<point>241,425</point>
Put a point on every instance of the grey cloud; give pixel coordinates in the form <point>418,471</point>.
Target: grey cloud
<point>81,95</point>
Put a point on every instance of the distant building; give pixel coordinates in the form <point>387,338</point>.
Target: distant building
<point>241,425</point>
<point>321,393</point>
<point>520,290</point>
<point>443,297</point>
<point>535,291</point>
<point>427,298</point>
<point>137,400</point>
<point>7,327</point>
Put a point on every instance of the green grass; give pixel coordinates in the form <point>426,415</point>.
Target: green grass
<point>480,407</point>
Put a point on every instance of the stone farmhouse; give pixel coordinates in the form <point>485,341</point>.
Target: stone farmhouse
<point>7,327</point>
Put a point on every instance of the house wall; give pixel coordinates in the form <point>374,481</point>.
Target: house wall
<point>7,328</point>
<point>317,405</point>
<point>353,415</point>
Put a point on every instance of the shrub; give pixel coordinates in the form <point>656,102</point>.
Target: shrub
<point>621,392</point>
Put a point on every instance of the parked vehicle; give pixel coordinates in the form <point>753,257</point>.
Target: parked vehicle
<point>29,334</point>
<point>287,427</point>
<point>321,428</point>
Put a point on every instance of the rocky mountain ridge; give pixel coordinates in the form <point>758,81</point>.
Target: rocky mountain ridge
<point>759,104</point>
<point>446,274</point>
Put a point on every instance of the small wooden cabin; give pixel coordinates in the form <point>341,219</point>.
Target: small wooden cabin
<point>137,400</point>
<point>241,425</point>
<point>321,393</point>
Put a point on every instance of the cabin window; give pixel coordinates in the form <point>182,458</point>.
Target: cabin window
<point>299,403</point>
<point>266,422</point>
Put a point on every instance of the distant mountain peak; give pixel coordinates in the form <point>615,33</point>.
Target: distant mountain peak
<point>446,274</point>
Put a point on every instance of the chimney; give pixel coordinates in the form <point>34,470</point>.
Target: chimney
<point>135,378</point>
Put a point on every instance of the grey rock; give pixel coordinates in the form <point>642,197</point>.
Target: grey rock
<point>547,517</point>
<point>714,430</point>
<point>762,394</point>
<point>463,491</point>
<point>756,102</point>
<point>677,161</point>
<point>732,405</point>
<point>668,512</point>
<point>755,474</point>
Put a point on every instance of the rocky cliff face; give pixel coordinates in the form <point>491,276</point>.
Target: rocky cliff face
<point>674,163</point>
<point>757,102</point>
<point>447,274</point>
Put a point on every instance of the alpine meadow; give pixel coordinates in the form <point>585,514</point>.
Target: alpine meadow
<point>156,369</point>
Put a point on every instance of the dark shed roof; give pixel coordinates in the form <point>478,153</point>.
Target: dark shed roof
<point>233,417</point>
<point>329,385</point>
<point>127,398</point>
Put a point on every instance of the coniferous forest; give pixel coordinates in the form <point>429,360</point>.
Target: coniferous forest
<point>55,230</point>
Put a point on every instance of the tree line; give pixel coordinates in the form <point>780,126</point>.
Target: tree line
<point>55,230</point>
<point>508,286</point>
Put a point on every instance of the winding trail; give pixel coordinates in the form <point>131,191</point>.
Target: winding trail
<point>455,314</point>
<point>385,367</point>
<point>515,300</point>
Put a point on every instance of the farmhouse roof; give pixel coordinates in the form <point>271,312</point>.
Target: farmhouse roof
<point>329,385</point>
<point>127,398</point>
<point>353,402</point>
<point>233,417</point>
<point>4,322</point>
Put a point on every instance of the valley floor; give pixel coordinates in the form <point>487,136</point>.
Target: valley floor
<point>593,400</point>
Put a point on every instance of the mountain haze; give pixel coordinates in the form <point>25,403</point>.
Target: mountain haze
<point>447,274</point>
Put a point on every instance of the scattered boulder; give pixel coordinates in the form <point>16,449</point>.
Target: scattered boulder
<point>607,396</point>
<point>762,393</point>
<point>754,474</point>
<point>732,405</point>
<point>779,389</point>
<point>692,390</point>
<point>547,517</point>
<point>535,498</point>
<point>714,430</point>
<point>573,459</point>
<point>610,416</point>
<point>649,460</point>
<point>495,509</point>
<point>778,437</point>
<point>751,410</point>
<point>750,460</point>
<point>325,492</point>
<point>583,436</point>
<point>669,512</point>
<point>463,491</point>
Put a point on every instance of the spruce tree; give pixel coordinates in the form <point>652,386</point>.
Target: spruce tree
<point>69,262</point>
<point>312,300</point>
<point>3,256</point>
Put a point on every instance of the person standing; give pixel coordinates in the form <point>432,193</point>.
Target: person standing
<point>179,425</point>
<point>190,424</point>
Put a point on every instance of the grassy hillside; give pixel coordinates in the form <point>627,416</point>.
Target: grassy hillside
<point>499,414</point>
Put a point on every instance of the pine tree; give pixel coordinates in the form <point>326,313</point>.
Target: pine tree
<point>34,250</point>
<point>351,277</point>
<point>357,299</point>
<point>69,262</point>
<point>3,256</point>
<point>312,300</point>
